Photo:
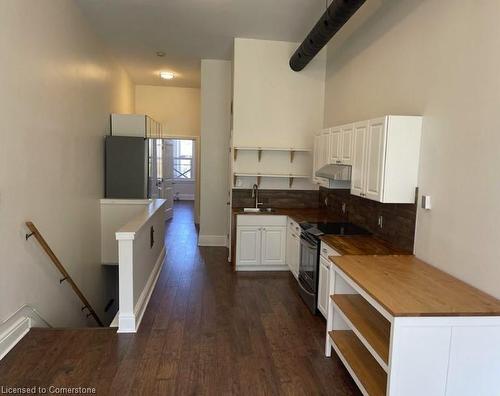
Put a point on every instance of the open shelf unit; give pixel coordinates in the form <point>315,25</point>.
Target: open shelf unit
<point>370,327</point>
<point>404,328</point>
<point>364,369</point>
<point>259,151</point>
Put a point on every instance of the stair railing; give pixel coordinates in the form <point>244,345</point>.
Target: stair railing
<point>66,277</point>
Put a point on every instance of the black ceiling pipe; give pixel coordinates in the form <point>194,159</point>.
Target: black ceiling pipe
<point>335,16</point>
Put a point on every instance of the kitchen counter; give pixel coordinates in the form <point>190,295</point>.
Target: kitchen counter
<point>310,215</point>
<point>407,286</point>
<point>361,245</point>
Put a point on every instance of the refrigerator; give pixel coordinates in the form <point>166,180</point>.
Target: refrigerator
<point>139,168</point>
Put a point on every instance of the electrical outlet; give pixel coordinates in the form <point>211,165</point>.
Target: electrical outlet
<point>344,207</point>
<point>326,201</point>
<point>380,222</point>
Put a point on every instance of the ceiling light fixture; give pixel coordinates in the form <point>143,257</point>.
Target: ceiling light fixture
<point>167,75</point>
<point>160,53</point>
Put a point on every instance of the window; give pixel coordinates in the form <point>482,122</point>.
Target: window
<point>183,159</point>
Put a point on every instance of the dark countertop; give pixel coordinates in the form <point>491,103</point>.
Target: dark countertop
<point>310,215</point>
<point>344,245</point>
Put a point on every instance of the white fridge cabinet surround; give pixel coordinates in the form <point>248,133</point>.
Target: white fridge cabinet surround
<point>139,125</point>
<point>261,243</point>
<point>385,158</point>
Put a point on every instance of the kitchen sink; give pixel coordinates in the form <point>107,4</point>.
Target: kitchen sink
<point>258,210</point>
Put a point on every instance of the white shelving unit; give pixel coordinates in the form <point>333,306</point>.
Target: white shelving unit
<point>404,328</point>
<point>271,163</point>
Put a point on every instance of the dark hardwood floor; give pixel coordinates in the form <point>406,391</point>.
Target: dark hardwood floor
<point>207,330</point>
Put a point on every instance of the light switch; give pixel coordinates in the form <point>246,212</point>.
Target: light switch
<point>426,202</point>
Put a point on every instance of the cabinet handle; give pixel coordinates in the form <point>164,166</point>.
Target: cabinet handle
<point>324,250</point>
<point>338,162</point>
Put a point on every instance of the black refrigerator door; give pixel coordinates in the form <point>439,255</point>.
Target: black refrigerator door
<point>126,174</point>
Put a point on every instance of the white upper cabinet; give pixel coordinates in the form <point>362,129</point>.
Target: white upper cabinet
<point>341,145</point>
<point>321,155</point>
<point>385,158</point>
<point>360,132</point>
<point>335,146</point>
<point>347,140</point>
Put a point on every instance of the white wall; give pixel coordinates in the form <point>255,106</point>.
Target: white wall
<point>216,85</point>
<point>273,105</point>
<point>178,109</point>
<point>439,59</point>
<point>58,87</point>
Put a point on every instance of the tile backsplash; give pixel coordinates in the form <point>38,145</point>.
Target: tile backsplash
<point>242,198</point>
<point>398,220</point>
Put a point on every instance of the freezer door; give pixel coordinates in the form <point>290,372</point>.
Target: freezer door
<point>126,170</point>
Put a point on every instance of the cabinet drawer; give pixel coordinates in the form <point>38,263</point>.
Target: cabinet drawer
<point>261,220</point>
<point>327,251</point>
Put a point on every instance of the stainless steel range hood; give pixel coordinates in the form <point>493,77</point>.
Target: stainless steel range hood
<point>339,176</point>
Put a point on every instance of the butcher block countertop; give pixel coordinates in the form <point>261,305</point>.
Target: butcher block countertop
<point>361,244</point>
<point>407,286</point>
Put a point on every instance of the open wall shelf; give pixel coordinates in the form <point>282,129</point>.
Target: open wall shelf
<point>290,177</point>
<point>259,151</point>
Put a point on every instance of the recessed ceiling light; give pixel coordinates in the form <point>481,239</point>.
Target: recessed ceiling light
<point>167,75</point>
<point>160,53</point>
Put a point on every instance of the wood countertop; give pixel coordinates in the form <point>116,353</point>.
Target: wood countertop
<point>407,286</point>
<point>361,245</point>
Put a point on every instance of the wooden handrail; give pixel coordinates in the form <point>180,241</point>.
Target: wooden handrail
<point>66,277</point>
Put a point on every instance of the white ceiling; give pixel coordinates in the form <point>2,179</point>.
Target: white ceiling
<point>191,30</point>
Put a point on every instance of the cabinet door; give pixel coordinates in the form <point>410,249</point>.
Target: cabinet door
<point>375,158</point>
<point>248,244</point>
<point>347,140</point>
<point>295,255</point>
<point>273,245</point>
<point>358,158</point>
<point>335,146</point>
<point>316,156</point>
<point>323,283</point>
<point>325,147</point>
<point>289,248</point>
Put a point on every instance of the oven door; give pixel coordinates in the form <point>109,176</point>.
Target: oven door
<point>308,270</point>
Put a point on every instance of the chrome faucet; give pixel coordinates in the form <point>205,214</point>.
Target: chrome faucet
<point>255,194</point>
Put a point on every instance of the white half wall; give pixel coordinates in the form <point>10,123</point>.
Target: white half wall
<point>438,59</point>
<point>216,85</point>
<point>58,86</point>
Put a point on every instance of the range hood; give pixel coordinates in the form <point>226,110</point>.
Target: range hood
<point>339,176</point>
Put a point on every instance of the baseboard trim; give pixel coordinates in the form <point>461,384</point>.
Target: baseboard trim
<point>17,326</point>
<point>129,323</point>
<point>257,268</point>
<point>212,240</point>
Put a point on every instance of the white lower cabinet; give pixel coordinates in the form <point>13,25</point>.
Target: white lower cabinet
<point>249,242</point>
<point>323,282</point>
<point>261,243</point>
<point>273,244</point>
<point>293,250</point>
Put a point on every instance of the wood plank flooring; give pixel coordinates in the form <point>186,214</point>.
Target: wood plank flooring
<point>207,331</point>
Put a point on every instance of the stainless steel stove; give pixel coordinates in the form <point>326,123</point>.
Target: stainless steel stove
<point>309,255</point>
